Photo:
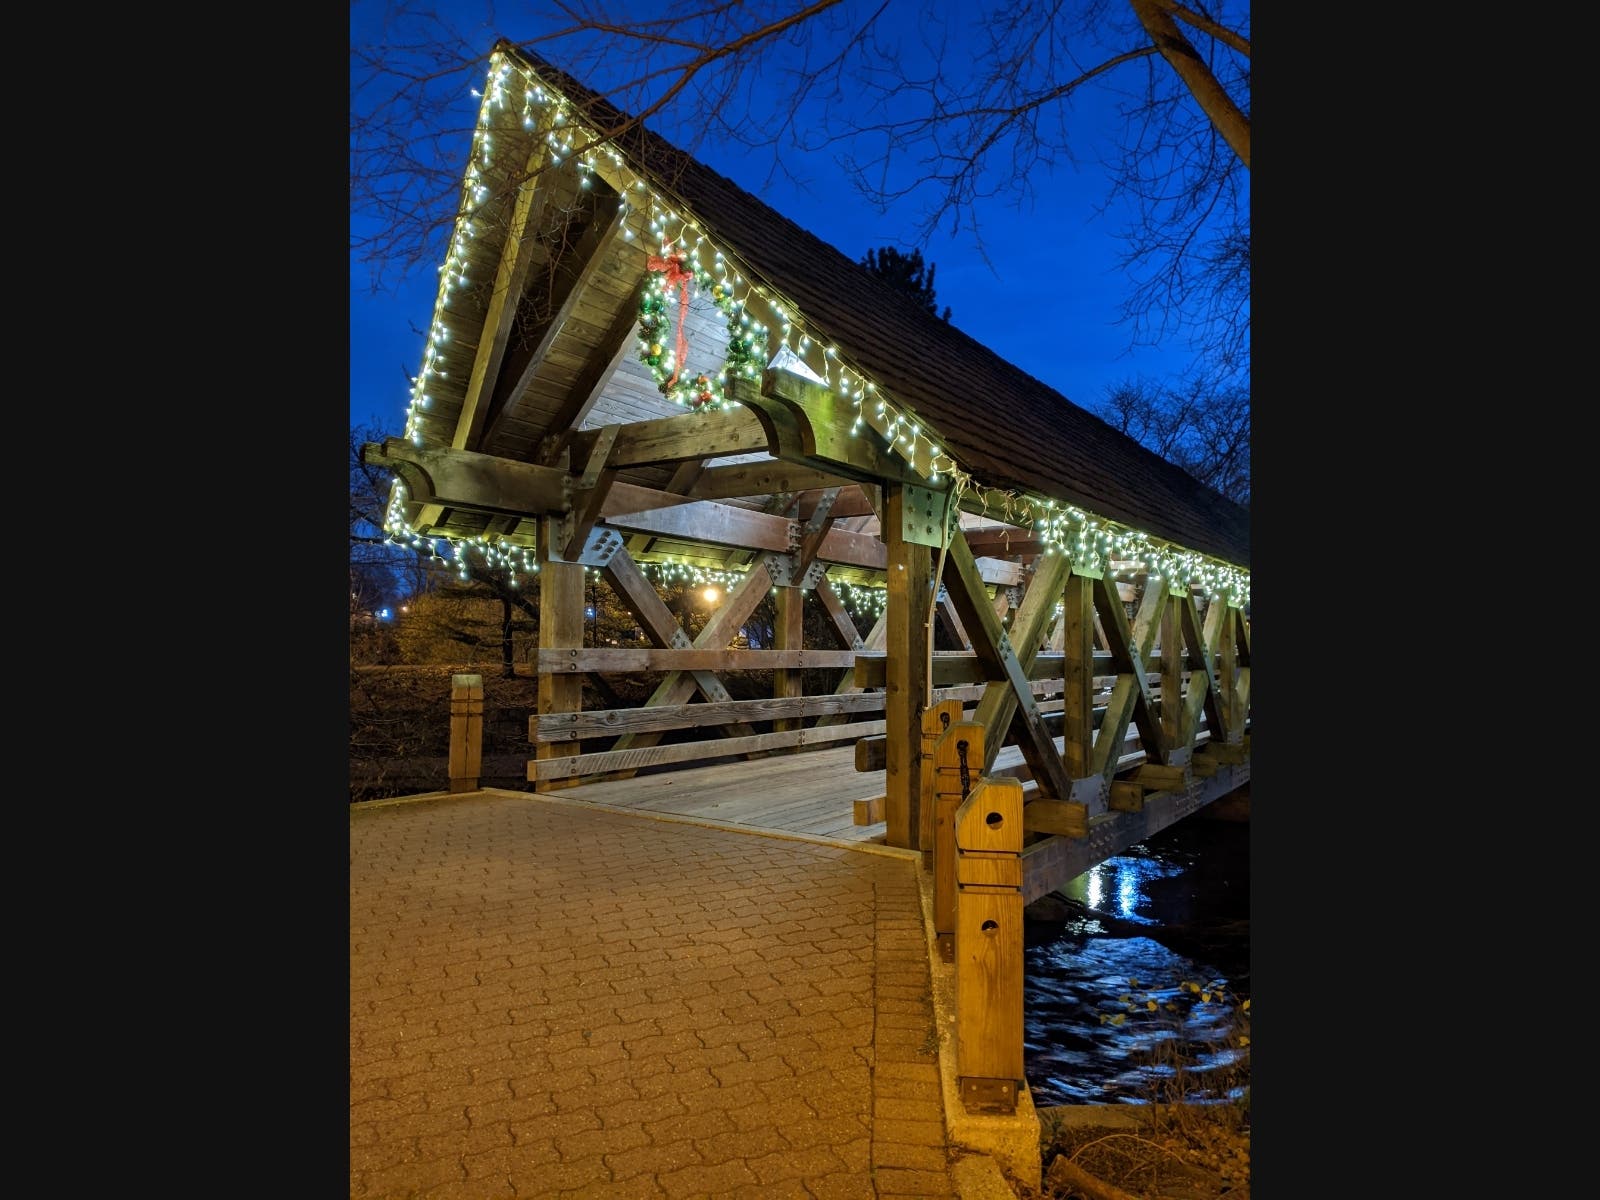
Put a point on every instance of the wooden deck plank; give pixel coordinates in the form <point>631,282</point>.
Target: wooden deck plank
<point>812,792</point>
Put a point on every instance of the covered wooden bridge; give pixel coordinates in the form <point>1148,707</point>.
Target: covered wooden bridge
<point>635,366</point>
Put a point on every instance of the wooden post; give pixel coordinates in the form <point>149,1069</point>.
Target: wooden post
<point>1172,706</point>
<point>1228,671</point>
<point>560,628</point>
<point>935,721</point>
<point>466,732</point>
<point>989,945</point>
<point>788,634</point>
<point>910,588</point>
<point>958,762</point>
<point>1077,644</point>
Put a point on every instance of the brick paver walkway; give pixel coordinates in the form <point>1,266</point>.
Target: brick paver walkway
<point>551,1000</point>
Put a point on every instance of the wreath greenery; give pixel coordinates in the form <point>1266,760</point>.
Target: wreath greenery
<point>747,342</point>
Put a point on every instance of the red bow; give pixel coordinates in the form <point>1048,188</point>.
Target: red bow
<point>672,264</point>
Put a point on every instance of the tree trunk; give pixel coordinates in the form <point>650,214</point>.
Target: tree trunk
<point>1186,62</point>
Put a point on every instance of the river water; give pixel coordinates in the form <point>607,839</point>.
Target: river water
<point>1136,985</point>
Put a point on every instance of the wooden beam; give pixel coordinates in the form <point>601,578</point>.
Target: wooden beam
<point>692,436</point>
<point>677,686</point>
<point>908,688</point>
<point>601,364</point>
<point>760,479</point>
<point>999,705</point>
<point>995,650</point>
<point>1130,657</point>
<point>609,761</point>
<point>1051,862</point>
<point>1202,693</point>
<point>656,719</point>
<point>867,812</point>
<point>1172,707</point>
<point>511,273</point>
<point>560,628</point>
<point>788,634</point>
<point>951,667</point>
<point>589,251</point>
<point>843,626</point>
<point>811,425</point>
<point>466,479</point>
<point>618,660</point>
<point>1113,729</point>
<point>1078,676</point>
<point>1228,673</point>
<point>659,625</point>
<point>590,491</point>
<point>951,620</point>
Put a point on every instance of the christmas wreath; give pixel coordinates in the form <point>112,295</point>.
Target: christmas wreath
<point>747,343</point>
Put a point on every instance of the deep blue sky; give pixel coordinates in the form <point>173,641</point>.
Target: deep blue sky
<point>1047,300</point>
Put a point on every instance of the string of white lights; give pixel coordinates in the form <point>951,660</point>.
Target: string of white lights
<point>1089,539</point>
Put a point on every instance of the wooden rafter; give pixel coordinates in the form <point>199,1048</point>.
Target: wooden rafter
<point>759,479</point>
<point>586,253</point>
<point>692,436</point>
<point>590,385</point>
<point>511,274</point>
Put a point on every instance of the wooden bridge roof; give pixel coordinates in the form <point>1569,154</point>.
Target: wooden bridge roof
<point>1006,428</point>
<point>509,394</point>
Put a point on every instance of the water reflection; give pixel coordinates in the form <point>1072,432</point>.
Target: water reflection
<point>1107,982</point>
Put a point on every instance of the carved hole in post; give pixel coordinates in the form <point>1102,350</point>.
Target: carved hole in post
<point>994,820</point>
<point>990,926</point>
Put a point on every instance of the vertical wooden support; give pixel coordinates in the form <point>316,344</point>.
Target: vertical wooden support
<point>989,1067</point>
<point>1077,648</point>
<point>1228,672</point>
<point>908,690</point>
<point>958,762</point>
<point>560,628</point>
<point>935,721</point>
<point>466,732</point>
<point>788,634</point>
<point>1172,706</point>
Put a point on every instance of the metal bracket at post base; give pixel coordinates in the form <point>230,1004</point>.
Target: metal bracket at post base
<point>989,1095</point>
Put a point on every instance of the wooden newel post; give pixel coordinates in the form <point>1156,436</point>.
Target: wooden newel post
<point>957,763</point>
<point>936,718</point>
<point>989,945</point>
<point>466,732</point>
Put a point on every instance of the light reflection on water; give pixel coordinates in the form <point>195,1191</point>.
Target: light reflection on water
<point>1172,910</point>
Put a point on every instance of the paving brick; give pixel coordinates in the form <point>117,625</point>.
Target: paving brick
<point>741,1144</point>
<point>412,1177</point>
<point>917,1158</point>
<point>706,1180</point>
<point>907,1110</point>
<point>846,1185</point>
<point>491,1187</point>
<point>716,1014</point>
<point>915,1133</point>
<point>796,1164</point>
<point>892,1182</point>
<point>595,1143</point>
